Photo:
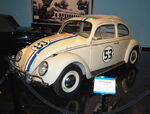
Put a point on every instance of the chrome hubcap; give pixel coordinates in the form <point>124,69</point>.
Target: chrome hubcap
<point>133,57</point>
<point>70,81</point>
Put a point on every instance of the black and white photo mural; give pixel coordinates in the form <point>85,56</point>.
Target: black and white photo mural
<point>54,12</point>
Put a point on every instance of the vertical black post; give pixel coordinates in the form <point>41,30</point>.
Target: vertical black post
<point>103,103</point>
<point>103,108</point>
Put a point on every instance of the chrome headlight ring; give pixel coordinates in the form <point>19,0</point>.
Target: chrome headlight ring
<point>43,67</point>
<point>19,56</point>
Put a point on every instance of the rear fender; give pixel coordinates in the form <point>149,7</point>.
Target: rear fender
<point>133,44</point>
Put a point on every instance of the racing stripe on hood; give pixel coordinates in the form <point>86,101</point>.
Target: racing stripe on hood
<point>34,54</point>
<point>84,18</point>
<point>28,60</point>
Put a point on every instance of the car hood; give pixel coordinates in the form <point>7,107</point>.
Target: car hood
<point>34,54</point>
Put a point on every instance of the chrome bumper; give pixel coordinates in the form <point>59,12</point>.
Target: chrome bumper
<point>28,78</point>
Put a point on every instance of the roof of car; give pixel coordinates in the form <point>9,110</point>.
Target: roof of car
<point>97,17</point>
<point>102,16</point>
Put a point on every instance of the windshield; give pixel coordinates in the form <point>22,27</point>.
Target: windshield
<point>81,28</point>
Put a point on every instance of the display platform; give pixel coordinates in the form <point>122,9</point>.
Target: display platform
<point>132,94</point>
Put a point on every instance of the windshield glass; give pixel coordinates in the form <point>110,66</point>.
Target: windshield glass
<point>81,28</point>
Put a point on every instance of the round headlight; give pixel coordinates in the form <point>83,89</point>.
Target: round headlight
<point>43,68</point>
<point>19,55</point>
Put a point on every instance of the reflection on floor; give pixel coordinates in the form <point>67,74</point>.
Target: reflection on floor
<point>131,97</point>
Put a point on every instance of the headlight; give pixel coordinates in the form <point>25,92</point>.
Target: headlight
<point>43,68</point>
<point>19,55</point>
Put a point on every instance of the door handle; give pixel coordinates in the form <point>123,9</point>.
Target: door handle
<point>116,43</point>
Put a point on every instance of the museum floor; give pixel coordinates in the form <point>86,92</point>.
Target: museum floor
<point>132,95</point>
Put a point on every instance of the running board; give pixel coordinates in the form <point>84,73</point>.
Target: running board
<point>101,71</point>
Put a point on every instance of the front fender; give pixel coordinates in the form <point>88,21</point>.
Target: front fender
<point>59,62</point>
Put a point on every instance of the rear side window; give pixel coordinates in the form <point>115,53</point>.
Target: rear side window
<point>122,30</point>
<point>105,31</point>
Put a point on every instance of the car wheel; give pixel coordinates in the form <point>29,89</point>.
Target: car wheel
<point>133,57</point>
<point>69,81</point>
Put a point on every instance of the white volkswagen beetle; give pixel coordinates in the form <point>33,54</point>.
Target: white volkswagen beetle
<point>84,47</point>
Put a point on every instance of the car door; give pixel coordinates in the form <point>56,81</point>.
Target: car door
<point>124,37</point>
<point>104,47</point>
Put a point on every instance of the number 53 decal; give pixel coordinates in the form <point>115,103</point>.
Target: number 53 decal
<point>107,54</point>
<point>40,45</point>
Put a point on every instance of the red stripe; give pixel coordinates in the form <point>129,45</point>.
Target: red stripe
<point>34,52</point>
<point>83,18</point>
<point>28,61</point>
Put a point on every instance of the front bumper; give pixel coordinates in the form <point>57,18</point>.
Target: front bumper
<point>28,78</point>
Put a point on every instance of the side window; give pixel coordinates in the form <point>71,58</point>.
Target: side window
<point>105,31</point>
<point>122,30</point>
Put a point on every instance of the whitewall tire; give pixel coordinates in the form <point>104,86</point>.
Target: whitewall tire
<point>133,57</point>
<point>69,81</point>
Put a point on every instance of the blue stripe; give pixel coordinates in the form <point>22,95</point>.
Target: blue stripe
<point>104,78</point>
<point>33,58</point>
<point>112,93</point>
<point>85,19</point>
